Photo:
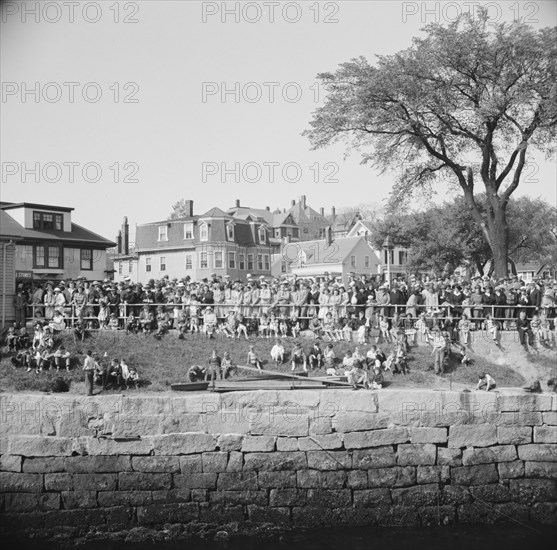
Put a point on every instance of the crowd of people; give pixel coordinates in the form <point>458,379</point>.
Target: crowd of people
<point>270,308</point>
<point>44,352</point>
<point>441,311</point>
<point>108,373</point>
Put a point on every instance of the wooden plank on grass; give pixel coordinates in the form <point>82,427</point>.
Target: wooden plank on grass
<point>189,386</point>
<point>293,376</point>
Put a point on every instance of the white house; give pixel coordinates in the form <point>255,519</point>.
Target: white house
<point>337,258</point>
<point>392,261</point>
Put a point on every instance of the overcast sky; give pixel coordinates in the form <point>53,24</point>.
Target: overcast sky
<point>155,125</point>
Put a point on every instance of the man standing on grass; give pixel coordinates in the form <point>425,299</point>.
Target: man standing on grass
<point>89,368</point>
<point>214,368</point>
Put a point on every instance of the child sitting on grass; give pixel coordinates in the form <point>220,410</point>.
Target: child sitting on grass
<point>242,328</point>
<point>545,329</point>
<point>315,357</point>
<point>315,326</point>
<point>273,326</point>
<point>329,328</point>
<point>264,328</point>
<point>132,325</point>
<point>294,325</point>
<point>11,338</point>
<point>283,326</point>
<point>23,340</point>
<point>491,328</point>
<point>227,366</point>
<point>62,357</point>
<point>253,359</point>
<point>132,381</point>
<point>329,360</point>
<point>400,363</point>
<point>298,357</point>
<point>113,322</point>
<point>277,352</point>
<point>536,325</point>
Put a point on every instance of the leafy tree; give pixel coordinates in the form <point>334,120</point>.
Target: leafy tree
<point>179,210</point>
<point>370,212</point>
<point>446,236</point>
<point>467,102</point>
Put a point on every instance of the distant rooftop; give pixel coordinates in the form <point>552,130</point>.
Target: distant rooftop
<point>11,205</point>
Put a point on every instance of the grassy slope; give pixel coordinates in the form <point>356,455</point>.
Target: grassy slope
<point>164,362</point>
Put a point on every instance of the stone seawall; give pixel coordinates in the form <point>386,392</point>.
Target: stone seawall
<point>284,458</point>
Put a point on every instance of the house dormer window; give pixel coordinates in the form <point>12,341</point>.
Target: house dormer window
<point>262,235</point>
<point>163,232</point>
<point>203,232</point>
<point>229,231</point>
<point>188,230</point>
<point>46,220</point>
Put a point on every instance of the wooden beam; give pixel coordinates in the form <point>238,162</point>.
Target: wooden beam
<point>294,376</point>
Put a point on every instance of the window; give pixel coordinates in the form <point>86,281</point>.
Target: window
<point>260,262</point>
<point>120,267</point>
<point>86,260</point>
<point>39,260</point>
<point>47,256</point>
<point>366,261</point>
<point>241,261</point>
<point>283,267</point>
<point>218,260</point>
<point>262,234</point>
<point>401,257</point>
<point>163,263</point>
<point>391,258</point>
<point>203,232</point>
<point>277,233</point>
<point>130,266</point>
<point>232,260</point>
<point>44,220</point>
<point>352,261</point>
<point>295,233</point>
<point>203,263</point>
<point>147,264</point>
<point>189,261</point>
<point>305,230</point>
<point>188,230</point>
<point>230,231</point>
<point>267,263</point>
<point>250,262</point>
<point>163,233</point>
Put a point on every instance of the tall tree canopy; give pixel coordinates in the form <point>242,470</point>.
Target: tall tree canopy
<point>468,101</point>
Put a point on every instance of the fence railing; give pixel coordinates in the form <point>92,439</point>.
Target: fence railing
<point>504,315</point>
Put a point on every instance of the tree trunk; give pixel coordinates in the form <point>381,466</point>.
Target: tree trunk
<point>499,238</point>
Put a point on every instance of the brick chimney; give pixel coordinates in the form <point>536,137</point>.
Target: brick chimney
<point>293,202</point>
<point>189,208</point>
<point>237,203</point>
<point>267,208</point>
<point>125,236</point>
<point>322,211</point>
<point>333,212</point>
<point>303,201</point>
